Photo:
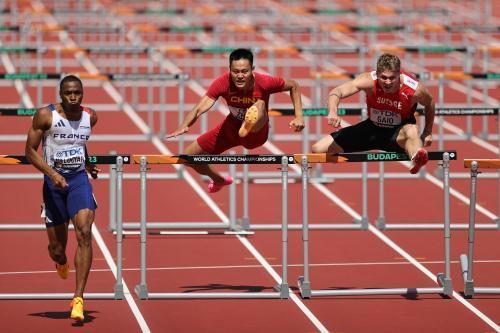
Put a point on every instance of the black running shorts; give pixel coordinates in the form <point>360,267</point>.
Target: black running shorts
<point>365,136</point>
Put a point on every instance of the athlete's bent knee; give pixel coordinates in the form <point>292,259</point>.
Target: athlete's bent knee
<point>410,130</point>
<point>56,252</point>
<point>318,148</point>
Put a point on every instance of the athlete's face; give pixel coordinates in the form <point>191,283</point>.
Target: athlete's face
<point>388,80</point>
<point>71,95</point>
<point>241,73</point>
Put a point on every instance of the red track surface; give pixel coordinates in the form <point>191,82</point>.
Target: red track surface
<point>218,263</point>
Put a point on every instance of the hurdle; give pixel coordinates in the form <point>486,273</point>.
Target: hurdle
<point>281,290</point>
<point>133,226</point>
<point>466,260</point>
<point>118,287</point>
<point>444,280</point>
<point>442,112</point>
<point>381,175</point>
<point>150,79</point>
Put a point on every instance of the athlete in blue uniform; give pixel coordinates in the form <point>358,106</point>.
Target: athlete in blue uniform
<point>64,130</point>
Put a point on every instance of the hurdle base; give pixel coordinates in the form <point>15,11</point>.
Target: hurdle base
<point>486,290</point>
<point>469,289</point>
<point>42,296</point>
<point>119,294</point>
<point>436,226</point>
<point>242,224</point>
<point>445,282</point>
<point>380,223</point>
<point>176,225</point>
<point>364,292</point>
<point>141,291</point>
<point>363,222</point>
<point>208,295</point>
<point>304,287</point>
<point>283,289</point>
<point>325,226</point>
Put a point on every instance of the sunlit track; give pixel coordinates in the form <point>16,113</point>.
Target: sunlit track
<point>143,127</point>
<point>217,262</point>
<point>273,149</point>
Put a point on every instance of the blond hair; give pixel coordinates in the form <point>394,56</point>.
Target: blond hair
<point>389,62</point>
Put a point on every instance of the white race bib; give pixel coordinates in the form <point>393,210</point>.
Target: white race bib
<point>71,158</point>
<point>383,118</point>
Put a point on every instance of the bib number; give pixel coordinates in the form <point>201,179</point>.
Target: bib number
<point>238,113</point>
<point>383,118</point>
<point>70,158</point>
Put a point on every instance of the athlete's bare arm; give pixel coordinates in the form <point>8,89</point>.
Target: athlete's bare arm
<point>91,168</point>
<point>41,123</point>
<point>362,82</point>
<point>293,86</point>
<point>93,117</point>
<point>203,106</point>
<point>423,97</point>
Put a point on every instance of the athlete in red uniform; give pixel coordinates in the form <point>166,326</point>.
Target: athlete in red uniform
<point>247,96</point>
<point>392,97</point>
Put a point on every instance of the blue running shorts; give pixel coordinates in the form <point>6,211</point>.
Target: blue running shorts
<point>62,204</point>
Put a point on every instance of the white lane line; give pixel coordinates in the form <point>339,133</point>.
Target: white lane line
<point>433,277</point>
<point>389,242</point>
<point>159,144</point>
<point>63,36</point>
<point>278,279</point>
<point>460,196</point>
<point>130,300</point>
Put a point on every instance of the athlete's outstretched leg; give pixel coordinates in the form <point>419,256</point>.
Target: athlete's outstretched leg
<point>327,145</point>
<point>217,180</point>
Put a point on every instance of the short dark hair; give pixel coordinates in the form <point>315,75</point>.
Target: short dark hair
<point>241,54</point>
<point>70,78</point>
<point>388,61</point>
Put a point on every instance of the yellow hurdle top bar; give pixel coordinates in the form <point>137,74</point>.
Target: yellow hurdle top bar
<point>483,163</point>
<point>292,158</point>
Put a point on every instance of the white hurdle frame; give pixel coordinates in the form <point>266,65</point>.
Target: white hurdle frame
<point>466,260</point>
<point>282,290</point>
<point>444,280</point>
<point>118,287</point>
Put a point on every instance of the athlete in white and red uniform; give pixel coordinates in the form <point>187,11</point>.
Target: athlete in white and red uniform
<point>392,97</point>
<point>247,95</point>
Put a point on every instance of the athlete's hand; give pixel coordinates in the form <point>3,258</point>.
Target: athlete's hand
<point>177,132</point>
<point>426,139</point>
<point>93,170</point>
<point>58,180</point>
<point>297,124</point>
<point>334,120</point>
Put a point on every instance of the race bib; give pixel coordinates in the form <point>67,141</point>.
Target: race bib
<point>70,158</point>
<point>383,118</point>
<point>238,113</point>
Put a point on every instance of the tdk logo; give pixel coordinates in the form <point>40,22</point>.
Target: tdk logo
<point>70,152</point>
